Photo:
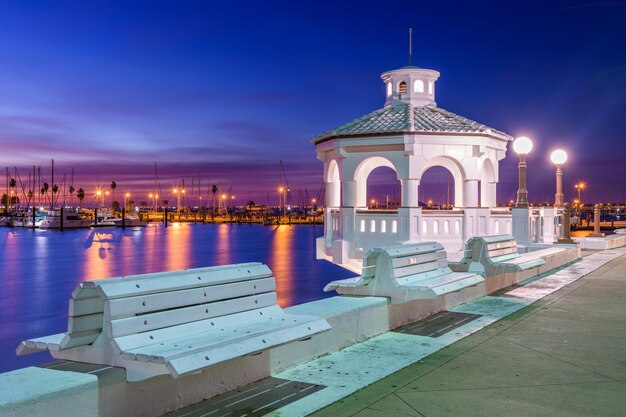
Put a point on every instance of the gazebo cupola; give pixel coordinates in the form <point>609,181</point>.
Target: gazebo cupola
<point>410,85</point>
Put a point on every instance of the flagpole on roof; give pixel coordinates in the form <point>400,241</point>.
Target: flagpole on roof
<point>410,46</point>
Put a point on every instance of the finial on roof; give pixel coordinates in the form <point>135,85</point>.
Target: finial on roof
<point>410,46</point>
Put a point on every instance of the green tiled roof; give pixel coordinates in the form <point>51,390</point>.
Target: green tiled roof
<point>397,119</point>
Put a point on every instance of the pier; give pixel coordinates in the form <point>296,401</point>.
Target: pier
<point>327,209</point>
<point>560,356</point>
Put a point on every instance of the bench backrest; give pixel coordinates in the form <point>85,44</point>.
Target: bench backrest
<point>119,307</point>
<point>490,249</point>
<point>395,262</point>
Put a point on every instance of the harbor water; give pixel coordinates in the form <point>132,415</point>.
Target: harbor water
<point>39,268</point>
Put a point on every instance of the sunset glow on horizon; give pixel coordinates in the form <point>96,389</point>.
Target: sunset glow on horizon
<point>221,93</point>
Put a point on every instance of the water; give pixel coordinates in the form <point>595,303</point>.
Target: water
<point>39,268</point>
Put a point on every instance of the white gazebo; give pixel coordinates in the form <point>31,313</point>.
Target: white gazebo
<point>410,134</point>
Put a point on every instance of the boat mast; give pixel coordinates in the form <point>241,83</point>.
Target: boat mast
<point>35,191</point>
<point>72,187</point>
<point>52,185</point>
<point>6,177</point>
<point>64,190</point>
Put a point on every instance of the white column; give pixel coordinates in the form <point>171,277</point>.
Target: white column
<point>410,193</point>
<point>349,193</point>
<point>470,193</point>
<point>333,194</point>
<point>360,192</point>
<point>487,194</point>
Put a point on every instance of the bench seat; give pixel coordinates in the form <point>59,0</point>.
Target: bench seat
<point>406,272</point>
<point>176,322</point>
<point>447,282</point>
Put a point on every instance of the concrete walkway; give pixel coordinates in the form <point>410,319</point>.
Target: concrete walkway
<point>563,355</point>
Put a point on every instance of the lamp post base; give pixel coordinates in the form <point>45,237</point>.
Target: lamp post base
<point>567,241</point>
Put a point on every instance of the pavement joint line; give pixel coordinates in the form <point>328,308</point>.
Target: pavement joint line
<point>395,394</point>
<point>511,386</point>
<point>396,360</point>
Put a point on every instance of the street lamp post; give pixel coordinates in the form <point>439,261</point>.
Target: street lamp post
<point>520,213</point>
<point>100,197</point>
<point>558,158</point>
<point>177,202</point>
<point>522,146</point>
<point>579,187</point>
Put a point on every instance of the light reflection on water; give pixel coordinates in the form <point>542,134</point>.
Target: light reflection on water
<point>281,256</point>
<point>40,268</point>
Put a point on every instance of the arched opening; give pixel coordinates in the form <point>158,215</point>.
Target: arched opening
<point>377,184</point>
<point>441,184</point>
<point>487,185</point>
<point>383,189</point>
<point>389,89</point>
<point>418,86</point>
<point>333,185</point>
<point>402,88</point>
<point>437,188</point>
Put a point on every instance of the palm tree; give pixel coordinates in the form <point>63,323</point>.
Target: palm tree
<point>81,196</point>
<point>72,189</point>
<point>113,187</point>
<point>55,189</point>
<point>44,190</point>
<point>143,205</point>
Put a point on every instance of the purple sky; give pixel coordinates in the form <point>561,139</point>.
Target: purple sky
<point>225,90</point>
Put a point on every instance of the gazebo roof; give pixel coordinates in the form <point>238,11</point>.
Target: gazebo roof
<point>403,118</point>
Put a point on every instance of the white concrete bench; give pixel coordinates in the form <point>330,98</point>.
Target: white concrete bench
<point>406,272</point>
<point>492,255</point>
<point>175,322</point>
